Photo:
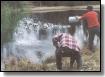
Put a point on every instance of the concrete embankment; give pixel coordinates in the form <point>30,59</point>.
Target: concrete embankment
<point>57,8</point>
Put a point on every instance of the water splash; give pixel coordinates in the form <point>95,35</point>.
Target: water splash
<point>27,40</point>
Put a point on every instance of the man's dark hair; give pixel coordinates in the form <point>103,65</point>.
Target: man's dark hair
<point>89,8</point>
<point>71,30</point>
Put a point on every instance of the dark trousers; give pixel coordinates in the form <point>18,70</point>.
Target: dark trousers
<point>74,55</point>
<point>92,33</point>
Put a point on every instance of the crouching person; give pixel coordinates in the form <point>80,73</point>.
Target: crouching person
<point>66,46</point>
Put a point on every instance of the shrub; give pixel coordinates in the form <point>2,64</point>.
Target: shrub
<point>10,15</point>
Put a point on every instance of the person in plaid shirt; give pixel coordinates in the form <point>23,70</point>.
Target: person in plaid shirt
<point>67,46</point>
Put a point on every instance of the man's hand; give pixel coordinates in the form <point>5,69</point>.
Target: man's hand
<point>55,44</point>
<point>79,17</point>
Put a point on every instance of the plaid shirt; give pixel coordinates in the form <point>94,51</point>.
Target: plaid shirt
<point>64,39</point>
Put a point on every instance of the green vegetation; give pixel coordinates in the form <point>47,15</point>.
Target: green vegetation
<point>11,13</point>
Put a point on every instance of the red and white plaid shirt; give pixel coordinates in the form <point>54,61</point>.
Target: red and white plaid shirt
<point>64,39</point>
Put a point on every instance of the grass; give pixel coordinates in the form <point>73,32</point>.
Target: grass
<point>91,62</point>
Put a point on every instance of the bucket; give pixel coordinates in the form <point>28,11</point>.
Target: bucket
<point>73,19</point>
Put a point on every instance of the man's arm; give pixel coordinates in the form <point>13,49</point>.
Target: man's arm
<point>56,40</point>
<point>82,17</point>
<point>55,43</point>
